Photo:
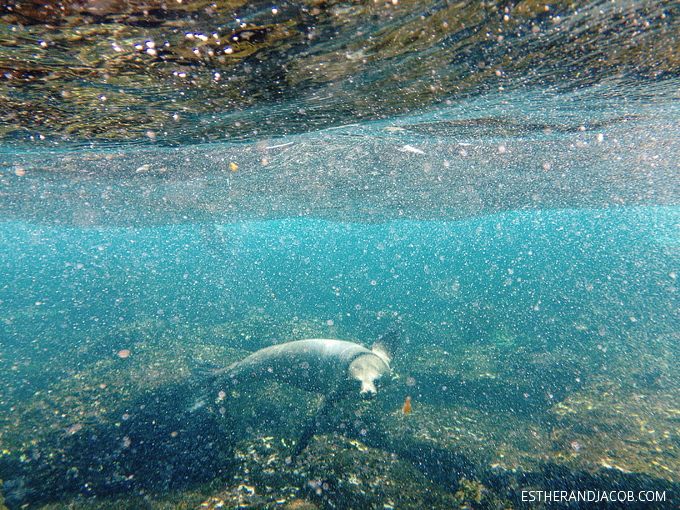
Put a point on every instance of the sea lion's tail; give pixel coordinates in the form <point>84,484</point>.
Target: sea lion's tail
<point>202,379</point>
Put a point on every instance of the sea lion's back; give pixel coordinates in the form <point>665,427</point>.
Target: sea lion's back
<point>316,364</point>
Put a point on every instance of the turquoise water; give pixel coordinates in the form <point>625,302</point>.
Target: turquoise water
<point>502,180</point>
<point>533,274</point>
<point>568,284</point>
<point>537,271</point>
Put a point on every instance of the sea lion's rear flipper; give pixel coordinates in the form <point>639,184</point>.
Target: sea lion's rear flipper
<point>312,424</point>
<point>387,344</point>
<point>205,373</point>
<point>202,379</point>
<point>202,370</point>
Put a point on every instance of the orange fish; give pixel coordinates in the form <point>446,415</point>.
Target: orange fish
<point>407,405</point>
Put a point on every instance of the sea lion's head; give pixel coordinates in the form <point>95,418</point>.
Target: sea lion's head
<point>368,369</point>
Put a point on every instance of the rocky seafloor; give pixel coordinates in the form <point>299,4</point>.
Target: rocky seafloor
<point>110,422</point>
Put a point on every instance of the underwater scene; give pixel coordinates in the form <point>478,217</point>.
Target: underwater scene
<point>339,254</point>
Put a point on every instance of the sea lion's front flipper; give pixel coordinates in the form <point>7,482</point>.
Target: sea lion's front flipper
<point>387,344</point>
<point>312,424</point>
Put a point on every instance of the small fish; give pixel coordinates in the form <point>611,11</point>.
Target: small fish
<point>279,145</point>
<point>407,405</point>
<point>411,148</point>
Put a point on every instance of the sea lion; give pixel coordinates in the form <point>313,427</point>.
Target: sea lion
<point>319,364</point>
<point>334,368</point>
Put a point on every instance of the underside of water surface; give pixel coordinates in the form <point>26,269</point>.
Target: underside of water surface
<point>156,72</point>
<point>185,183</point>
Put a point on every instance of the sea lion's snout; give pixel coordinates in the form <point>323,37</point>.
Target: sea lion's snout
<point>368,369</point>
<point>368,390</point>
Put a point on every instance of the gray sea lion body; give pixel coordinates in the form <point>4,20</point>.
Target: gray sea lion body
<point>318,365</point>
<point>334,368</point>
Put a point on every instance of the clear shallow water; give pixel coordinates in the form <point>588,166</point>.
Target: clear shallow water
<point>524,224</point>
<point>527,271</point>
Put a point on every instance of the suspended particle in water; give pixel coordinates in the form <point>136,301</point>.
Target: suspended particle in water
<point>233,166</point>
<point>124,353</point>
